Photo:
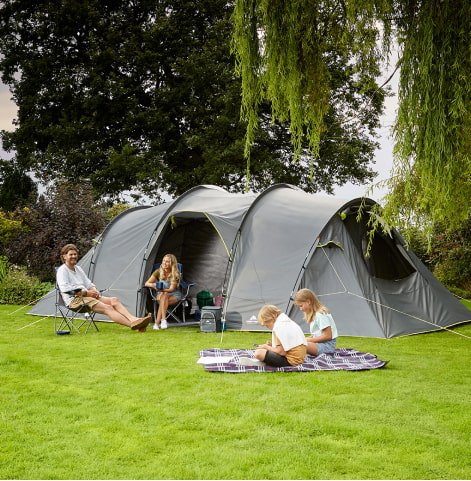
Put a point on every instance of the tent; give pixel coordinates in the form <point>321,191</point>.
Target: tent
<point>261,249</point>
<point>199,228</point>
<point>289,240</point>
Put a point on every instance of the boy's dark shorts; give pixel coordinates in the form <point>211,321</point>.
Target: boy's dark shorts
<point>276,360</point>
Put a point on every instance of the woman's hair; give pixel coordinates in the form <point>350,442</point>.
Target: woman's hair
<point>268,313</point>
<point>67,248</point>
<point>306,295</point>
<point>174,274</point>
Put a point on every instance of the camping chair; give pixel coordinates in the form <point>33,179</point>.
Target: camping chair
<point>185,290</point>
<point>68,320</point>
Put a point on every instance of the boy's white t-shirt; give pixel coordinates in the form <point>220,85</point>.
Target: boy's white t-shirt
<point>320,322</point>
<point>288,332</point>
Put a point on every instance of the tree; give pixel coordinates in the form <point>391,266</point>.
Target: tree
<point>17,188</point>
<point>66,213</point>
<point>282,53</point>
<point>143,95</point>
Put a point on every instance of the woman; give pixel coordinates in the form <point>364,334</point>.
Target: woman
<point>168,293</point>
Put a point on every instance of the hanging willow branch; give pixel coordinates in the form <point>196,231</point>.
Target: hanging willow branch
<point>281,52</point>
<point>281,49</point>
<point>431,177</point>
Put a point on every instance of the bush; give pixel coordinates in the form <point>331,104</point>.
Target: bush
<point>463,293</point>
<point>66,213</point>
<point>17,287</point>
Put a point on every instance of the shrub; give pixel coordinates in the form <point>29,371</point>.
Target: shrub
<point>463,293</point>
<point>17,287</point>
<point>66,213</point>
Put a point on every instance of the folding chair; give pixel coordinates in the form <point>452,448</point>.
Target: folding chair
<point>68,320</point>
<point>185,290</point>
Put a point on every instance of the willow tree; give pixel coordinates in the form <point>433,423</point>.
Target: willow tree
<point>283,48</point>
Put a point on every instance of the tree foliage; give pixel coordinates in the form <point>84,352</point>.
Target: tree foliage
<point>66,213</point>
<point>17,188</point>
<point>431,178</point>
<point>143,95</point>
<point>282,53</point>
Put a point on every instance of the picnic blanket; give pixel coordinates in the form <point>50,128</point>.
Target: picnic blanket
<point>243,360</point>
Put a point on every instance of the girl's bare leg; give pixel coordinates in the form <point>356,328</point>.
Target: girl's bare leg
<point>312,348</point>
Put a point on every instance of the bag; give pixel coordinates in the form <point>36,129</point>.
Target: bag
<point>204,298</point>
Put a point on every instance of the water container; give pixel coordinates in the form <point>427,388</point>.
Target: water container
<point>208,322</point>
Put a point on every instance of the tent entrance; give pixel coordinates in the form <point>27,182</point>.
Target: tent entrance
<point>198,247</point>
<point>385,260</point>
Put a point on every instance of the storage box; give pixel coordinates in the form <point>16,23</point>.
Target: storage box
<point>213,312</point>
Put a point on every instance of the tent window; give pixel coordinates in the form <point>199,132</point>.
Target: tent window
<point>385,260</point>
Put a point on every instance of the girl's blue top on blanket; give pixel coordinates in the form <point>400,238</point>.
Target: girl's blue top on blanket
<point>320,322</point>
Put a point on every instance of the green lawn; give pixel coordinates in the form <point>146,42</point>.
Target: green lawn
<point>123,405</point>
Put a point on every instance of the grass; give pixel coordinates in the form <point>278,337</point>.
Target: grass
<point>122,405</point>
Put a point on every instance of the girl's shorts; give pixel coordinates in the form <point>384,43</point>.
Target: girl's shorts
<point>327,347</point>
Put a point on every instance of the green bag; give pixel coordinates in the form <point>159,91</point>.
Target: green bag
<point>204,298</point>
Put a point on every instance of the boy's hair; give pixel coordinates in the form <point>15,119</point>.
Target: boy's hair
<point>67,248</point>
<point>306,295</point>
<point>268,313</point>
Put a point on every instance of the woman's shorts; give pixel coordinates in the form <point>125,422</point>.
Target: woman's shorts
<point>176,294</point>
<point>327,347</point>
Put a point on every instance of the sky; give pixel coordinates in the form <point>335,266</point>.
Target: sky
<point>383,156</point>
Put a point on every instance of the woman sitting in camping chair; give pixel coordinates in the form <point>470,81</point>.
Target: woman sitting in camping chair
<point>165,280</point>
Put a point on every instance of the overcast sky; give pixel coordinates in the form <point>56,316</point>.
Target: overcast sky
<point>383,156</point>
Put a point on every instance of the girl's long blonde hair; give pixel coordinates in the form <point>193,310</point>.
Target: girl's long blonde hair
<point>306,295</point>
<point>174,273</point>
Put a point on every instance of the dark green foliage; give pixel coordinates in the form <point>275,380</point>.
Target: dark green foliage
<point>142,95</point>
<point>451,256</point>
<point>16,187</point>
<point>66,214</point>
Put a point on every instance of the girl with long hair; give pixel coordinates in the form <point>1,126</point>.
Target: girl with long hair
<point>321,323</point>
<point>168,292</point>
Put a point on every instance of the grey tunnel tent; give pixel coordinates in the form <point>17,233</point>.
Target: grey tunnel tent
<point>290,239</point>
<point>259,249</point>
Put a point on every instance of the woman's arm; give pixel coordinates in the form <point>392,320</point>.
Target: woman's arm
<point>151,282</point>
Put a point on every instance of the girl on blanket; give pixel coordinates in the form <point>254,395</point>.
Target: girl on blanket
<point>321,324</point>
<point>288,344</point>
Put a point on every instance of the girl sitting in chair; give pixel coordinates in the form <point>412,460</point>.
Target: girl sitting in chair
<point>168,292</point>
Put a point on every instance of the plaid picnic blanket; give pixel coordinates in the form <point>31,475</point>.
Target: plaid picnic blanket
<point>232,360</point>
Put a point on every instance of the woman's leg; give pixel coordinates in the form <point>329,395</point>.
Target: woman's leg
<point>164,302</point>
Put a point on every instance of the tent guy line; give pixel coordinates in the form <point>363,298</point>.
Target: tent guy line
<point>384,305</point>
